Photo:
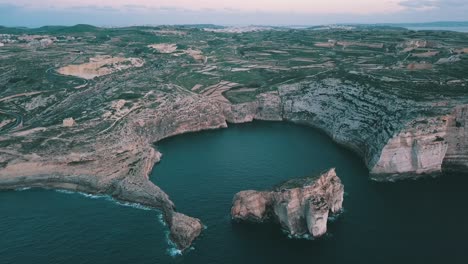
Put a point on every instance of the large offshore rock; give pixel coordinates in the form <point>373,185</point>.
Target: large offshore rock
<point>251,205</point>
<point>300,206</point>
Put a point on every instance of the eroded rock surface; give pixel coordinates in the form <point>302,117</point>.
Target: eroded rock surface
<point>385,129</point>
<point>420,148</point>
<point>184,229</point>
<point>456,158</point>
<point>300,206</point>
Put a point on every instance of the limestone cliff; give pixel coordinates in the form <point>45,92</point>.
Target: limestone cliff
<point>456,158</point>
<point>419,149</point>
<point>300,206</point>
<point>387,130</point>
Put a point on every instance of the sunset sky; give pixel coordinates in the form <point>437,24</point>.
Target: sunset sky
<point>227,12</point>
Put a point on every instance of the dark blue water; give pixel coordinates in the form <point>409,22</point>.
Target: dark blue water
<point>408,222</point>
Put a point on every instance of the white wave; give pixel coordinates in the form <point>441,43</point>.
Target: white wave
<point>161,219</point>
<point>87,195</point>
<point>335,216</point>
<point>65,191</point>
<point>304,236</point>
<point>93,196</point>
<point>23,189</point>
<point>133,205</point>
<point>108,198</point>
<point>173,252</point>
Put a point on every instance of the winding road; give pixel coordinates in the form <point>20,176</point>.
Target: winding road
<point>8,127</point>
<point>50,73</point>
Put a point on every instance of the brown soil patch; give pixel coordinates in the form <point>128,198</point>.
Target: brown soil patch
<point>360,44</point>
<point>425,54</point>
<point>419,66</point>
<point>325,44</point>
<point>99,66</point>
<point>165,48</point>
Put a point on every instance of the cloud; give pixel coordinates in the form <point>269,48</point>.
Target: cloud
<point>433,4</point>
<point>94,8</point>
<point>299,6</point>
<point>418,4</point>
<point>36,13</point>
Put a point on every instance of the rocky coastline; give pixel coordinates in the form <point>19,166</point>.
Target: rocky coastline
<point>97,136</point>
<point>122,169</point>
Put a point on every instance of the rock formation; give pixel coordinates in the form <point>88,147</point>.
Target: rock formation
<point>68,122</point>
<point>300,206</point>
<point>456,157</point>
<point>419,148</point>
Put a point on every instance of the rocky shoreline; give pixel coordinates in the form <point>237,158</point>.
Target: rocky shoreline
<point>125,174</point>
<point>121,169</point>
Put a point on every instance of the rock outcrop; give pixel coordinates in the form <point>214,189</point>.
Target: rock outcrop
<point>456,158</point>
<point>300,206</point>
<point>184,229</point>
<point>68,122</point>
<point>419,149</point>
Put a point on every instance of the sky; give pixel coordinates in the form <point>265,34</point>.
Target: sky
<point>35,13</point>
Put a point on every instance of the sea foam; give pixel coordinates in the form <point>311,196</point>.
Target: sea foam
<point>23,189</point>
<point>172,251</point>
<point>107,198</point>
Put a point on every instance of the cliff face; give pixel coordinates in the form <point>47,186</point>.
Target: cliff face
<point>456,158</point>
<point>390,132</point>
<point>300,206</point>
<point>360,118</point>
<point>419,149</point>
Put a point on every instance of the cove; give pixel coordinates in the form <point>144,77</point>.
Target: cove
<point>404,222</point>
